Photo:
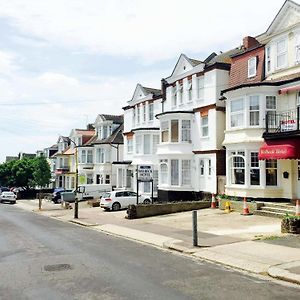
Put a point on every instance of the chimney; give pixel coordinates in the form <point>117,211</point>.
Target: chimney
<point>249,42</point>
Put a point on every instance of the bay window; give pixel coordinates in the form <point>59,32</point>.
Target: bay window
<point>164,173</point>
<point>165,131</point>
<point>174,172</point>
<point>186,172</point>
<point>138,144</point>
<point>174,131</point>
<point>83,156</point>
<point>129,145</point>
<point>155,141</point>
<point>271,110</point>
<point>254,110</point>
<point>147,139</point>
<point>204,126</point>
<point>100,155</point>
<point>237,113</point>
<point>89,157</point>
<point>238,168</point>
<point>186,131</point>
<point>254,169</point>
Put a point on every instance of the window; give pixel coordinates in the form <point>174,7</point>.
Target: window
<point>89,179</point>
<point>164,173</point>
<point>144,113</point>
<point>89,156</point>
<point>201,164</point>
<point>107,179</point>
<point>186,131</point>
<point>271,172</point>
<point>209,167</point>
<point>252,67</point>
<point>105,132</point>
<point>281,54</point>
<point>237,113</point>
<point>138,115</point>
<point>204,126</point>
<point>297,48</point>
<point>271,110</point>
<point>99,179</point>
<point>165,131</point>
<point>138,144</point>
<point>100,155</point>
<point>129,176</point>
<point>151,111</point>
<point>186,172</point>
<point>254,110</point>
<point>147,142</point>
<point>174,130</point>
<point>83,156</point>
<point>179,94</point>
<point>173,96</point>
<point>129,145</point>
<point>174,172</point>
<point>155,141</point>
<point>238,170</point>
<point>190,91</point>
<point>201,88</point>
<point>268,59</point>
<point>133,116</point>
<point>254,169</point>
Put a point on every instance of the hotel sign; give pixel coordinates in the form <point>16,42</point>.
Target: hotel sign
<point>145,173</point>
<point>288,125</point>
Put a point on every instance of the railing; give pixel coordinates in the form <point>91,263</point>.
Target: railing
<point>278,122</point>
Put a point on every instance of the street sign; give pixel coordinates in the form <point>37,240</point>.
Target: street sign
<point>145,173</point>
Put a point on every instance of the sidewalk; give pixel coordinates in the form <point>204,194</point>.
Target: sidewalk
<point>251,243</point>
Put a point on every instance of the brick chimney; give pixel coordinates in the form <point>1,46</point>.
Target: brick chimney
<point>249,42</point>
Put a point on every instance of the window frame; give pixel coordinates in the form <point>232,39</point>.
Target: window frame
<point>252,67</point>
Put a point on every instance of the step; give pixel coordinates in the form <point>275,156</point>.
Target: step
<point>278,209</point>
<point>266,213</point>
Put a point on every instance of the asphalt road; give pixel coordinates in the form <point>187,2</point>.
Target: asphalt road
<point>42,258</point>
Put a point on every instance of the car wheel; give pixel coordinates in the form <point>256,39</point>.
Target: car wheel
<point>147,201</point>
<point>116,206</point>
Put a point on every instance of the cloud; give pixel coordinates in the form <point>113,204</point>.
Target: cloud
<point>148,30</point>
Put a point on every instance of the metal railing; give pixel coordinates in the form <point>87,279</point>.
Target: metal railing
<point>278,122</point>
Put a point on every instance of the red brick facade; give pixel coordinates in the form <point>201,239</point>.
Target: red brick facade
<point>239,66</point>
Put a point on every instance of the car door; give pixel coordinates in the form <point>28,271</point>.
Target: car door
<point>132,196</point>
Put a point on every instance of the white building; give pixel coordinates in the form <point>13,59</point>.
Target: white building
<point>262,125</point>
<point>141,136</point>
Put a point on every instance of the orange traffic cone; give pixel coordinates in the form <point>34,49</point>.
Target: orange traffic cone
<point>246,211</point>
<point>297,213</point>
<point>213,201</point>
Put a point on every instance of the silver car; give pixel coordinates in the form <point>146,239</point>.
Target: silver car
<point>117,200</point>
<point>8,197</point>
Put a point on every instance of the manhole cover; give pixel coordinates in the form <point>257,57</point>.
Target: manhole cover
<point>58,267</point>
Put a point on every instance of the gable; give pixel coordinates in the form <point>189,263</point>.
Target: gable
<point>139,93</point>
<point>183,65</point>
<point>288,15</point>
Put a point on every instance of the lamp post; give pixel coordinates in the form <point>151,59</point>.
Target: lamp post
<point>76,179</point>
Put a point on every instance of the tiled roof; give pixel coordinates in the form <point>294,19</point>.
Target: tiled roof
<point>224,57</point>
<point>194,62</point>
<point>115,138</point>
<point>155,92</point>
<point>117,119</point>
<point>85,132</point>
<point>69,151</point>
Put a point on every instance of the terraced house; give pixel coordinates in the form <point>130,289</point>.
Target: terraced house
<point>263,111</point>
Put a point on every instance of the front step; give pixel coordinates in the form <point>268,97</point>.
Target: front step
<point>275,210</point>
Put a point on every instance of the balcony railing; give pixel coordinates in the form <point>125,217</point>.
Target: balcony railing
<point>283,122</point>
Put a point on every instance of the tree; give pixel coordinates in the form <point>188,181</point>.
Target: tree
<point>41,173</point>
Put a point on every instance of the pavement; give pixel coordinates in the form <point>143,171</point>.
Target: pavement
<point>251,243</point>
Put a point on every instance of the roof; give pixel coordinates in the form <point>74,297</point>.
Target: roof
<point>69,151</point>
<point>115,138</point>
<point>117,119</point>
<point>224,57</point>
<point>155,92</point>
<point>85,132</point>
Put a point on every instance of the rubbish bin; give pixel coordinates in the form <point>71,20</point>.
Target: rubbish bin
<point>67,197</point>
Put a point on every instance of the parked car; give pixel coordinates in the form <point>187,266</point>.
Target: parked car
<point>56,195</point>
<point>8,197</point>
<point>4,189</point>
<point>117,200</point>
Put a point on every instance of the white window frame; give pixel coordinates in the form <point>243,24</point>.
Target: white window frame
<point>186,131</point>
<point>163,178</point>
<point>209,167</point>
<point>268,59</point>
<point>151,111</point>
<point>129,146</point>
<point>190,91</point>
<point>254,166</point>
<point>272,168</point>
<point>201,167</point>
<point>237,113</point>
<point>204,126</point>
<point>164,128</point>
<point>252,63</point>
<point>144,113</point>
<point>200,91</point>
<point>147,143</point>
<point>186,178</point>
<point>138,144</point>
<point>253,110</point>
<point>280,53</point>
<point>175,170</point>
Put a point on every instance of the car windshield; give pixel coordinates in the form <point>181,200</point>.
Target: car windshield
<point>106,195</point>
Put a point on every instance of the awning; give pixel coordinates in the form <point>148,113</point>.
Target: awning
<point>289,89</point>
<point>280,149</point>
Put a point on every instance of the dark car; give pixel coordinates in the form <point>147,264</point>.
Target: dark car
<point>56,196</point>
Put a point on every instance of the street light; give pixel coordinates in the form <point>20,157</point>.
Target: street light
<point>76,179</point>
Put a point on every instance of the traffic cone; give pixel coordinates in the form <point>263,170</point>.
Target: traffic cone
<point>213,201</point>
<point>246,211</point>
<point>297,213</point>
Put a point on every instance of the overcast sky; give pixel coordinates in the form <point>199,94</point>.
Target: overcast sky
<point>62,62</point>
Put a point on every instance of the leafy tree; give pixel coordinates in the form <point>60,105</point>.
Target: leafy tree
<point>41,172</point>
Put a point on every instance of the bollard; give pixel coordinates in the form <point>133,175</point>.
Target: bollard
<point>195,229</point>
<point>76,209</point>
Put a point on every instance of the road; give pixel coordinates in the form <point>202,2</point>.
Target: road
<point>42,258</point>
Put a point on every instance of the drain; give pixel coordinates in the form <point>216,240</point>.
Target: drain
<point>58,267</point>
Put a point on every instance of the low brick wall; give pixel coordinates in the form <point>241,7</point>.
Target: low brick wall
<point>94,203</point>
<point>239,205</point>
<point>142,211</point>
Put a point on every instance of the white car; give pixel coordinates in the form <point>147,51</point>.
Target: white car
<point>117,200</point>
<point>8,197</point>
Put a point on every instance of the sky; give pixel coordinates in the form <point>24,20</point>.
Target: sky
<point>63,62</point>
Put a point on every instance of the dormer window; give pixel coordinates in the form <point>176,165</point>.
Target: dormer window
<point>251,67</point>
